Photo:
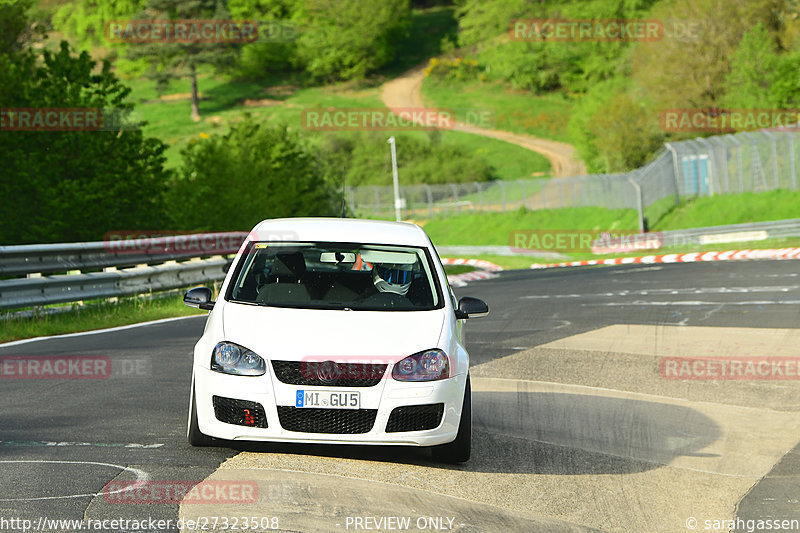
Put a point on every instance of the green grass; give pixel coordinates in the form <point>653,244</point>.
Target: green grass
<point>170,121</point>
<point>509,161</point>
<point>517,111</point>
<point>732,209</point>
<point>512,262</point>
<point>495,228</point>
<point>222,103</point>
<point>95,316</point>
<point>508,262</point>
<point>458,269</point>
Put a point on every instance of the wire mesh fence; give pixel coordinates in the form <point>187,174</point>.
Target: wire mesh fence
<point>727,164</point>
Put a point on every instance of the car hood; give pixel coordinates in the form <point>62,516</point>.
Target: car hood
<point>291,334</point>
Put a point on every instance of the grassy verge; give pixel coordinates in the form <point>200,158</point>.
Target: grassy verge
<point>694,213</point>
<point>224,102</point>
<point>275,100</point>
<point>508,262</point>
<point>512,262</point>
<point>458,269</point>
<point>543,116</point>
<point>95,316</point>
<point>495,228</point>
<point>732,209</point>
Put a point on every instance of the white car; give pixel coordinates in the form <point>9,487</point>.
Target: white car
<point>334,331</point>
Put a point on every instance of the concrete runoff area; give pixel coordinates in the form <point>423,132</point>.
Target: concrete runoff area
<point>582,432</point>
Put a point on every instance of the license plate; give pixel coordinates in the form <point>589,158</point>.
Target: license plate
<point>328,399</point>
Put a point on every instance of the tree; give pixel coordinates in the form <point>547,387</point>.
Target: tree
<point>255,171</point>
<point>74,185</point>
<point>170,60</point>
<point>760,76</point>
<point>85,21</point>
<point>275,49</point>
<point>345,39</point>
<point>688,69</point>
<point>625,133</point>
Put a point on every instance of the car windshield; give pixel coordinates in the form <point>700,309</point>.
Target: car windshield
<point>336,276</point>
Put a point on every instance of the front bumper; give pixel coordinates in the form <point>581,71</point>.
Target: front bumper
<point>384,397</point>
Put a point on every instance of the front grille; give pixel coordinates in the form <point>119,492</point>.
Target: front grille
<point>415,417</point>
<point>239,412</point>
<point>313,420</point>
<point>328,373</point>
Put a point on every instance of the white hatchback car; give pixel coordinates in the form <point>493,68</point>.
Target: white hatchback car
<point>334,331</point>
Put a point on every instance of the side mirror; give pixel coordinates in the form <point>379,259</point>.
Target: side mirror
<point>199,297</point>
<point>469,307</point>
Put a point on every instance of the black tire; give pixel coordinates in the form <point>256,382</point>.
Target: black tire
<point>459,450</point>
<point>193,433</point>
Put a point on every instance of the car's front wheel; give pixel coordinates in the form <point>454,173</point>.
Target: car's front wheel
<point>193,433</point>
<point>459,450</point>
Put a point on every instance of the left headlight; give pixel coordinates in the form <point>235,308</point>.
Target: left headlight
<point>429,365</point>
<point>230,358</point>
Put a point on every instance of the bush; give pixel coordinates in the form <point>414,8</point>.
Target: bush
<point>457,69</point>
<point>255,171</point>
<point>347,39</point>
<point>73,185</point>
<point>367,159</point>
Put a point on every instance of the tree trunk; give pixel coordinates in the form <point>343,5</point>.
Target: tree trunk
<point>195,98</point>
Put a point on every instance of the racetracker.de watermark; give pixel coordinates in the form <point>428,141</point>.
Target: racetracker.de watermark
<point>586,241</point>
<point>171,242</point>
<point>67,119</point>
<point>384,119</point>
<point>182,31</point>
<point>730,368</point>
<point>585,30</point>
<point>181,491</point>
<point>72,367</point>
<point>728,120</point>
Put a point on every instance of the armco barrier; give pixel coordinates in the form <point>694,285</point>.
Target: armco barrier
<point>146,266</point>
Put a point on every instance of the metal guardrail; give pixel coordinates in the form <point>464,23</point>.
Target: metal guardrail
<point>33,291</point>
<point>153,263</point>
<point>35,261</point>
<point>62,257</point>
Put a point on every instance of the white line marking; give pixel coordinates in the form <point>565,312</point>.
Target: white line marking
<point>694,302</point>
<point>141,477</point>
<point>688,290</point>
<point>45,443</point>
<point>96,331</point>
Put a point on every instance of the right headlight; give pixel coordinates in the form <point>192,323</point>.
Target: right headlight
<point>429,365</point>
<point>230,358</point>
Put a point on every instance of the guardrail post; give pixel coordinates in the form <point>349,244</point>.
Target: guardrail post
<point>480,195</point>
<point>503,194</point>
<point>522,186</point>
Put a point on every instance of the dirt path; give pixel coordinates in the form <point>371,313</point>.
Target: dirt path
<point>406,91</point>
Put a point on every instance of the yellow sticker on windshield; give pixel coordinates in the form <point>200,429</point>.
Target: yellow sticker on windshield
<point>261,245</point>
